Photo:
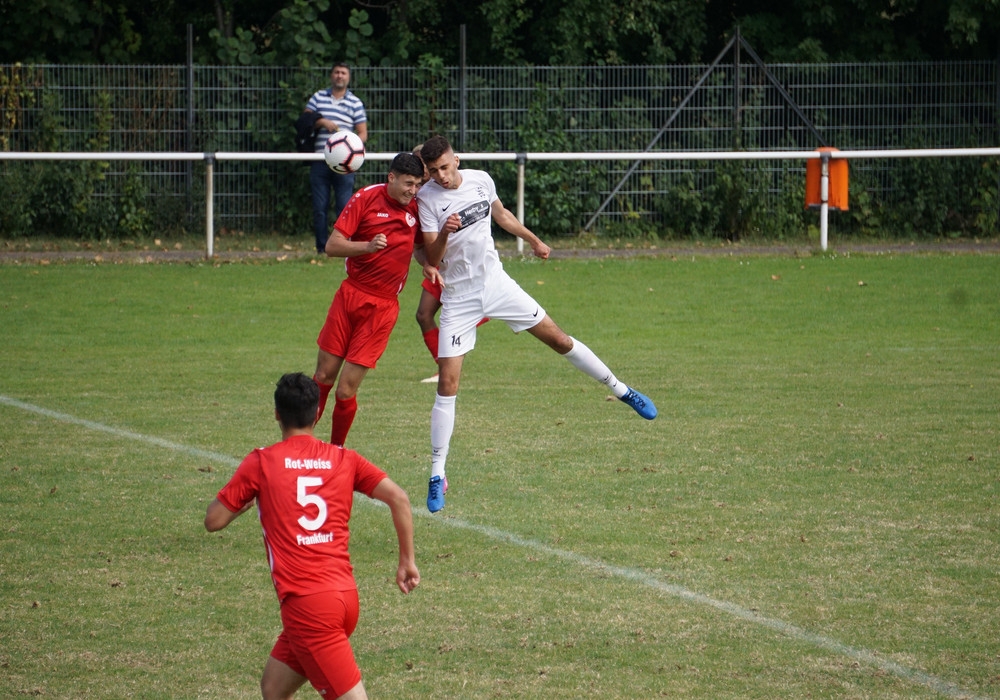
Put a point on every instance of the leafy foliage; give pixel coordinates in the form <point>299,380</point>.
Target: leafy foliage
<point>505,32</point>
<point>863,30</point>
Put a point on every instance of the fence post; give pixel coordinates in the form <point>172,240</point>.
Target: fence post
<point>209,205</point>
<point>521,159</point>
<point>463,95</point>
<point>824,198</point>
<point>189,124</point>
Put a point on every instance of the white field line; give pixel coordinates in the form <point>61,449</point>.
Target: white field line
<point>118,432</point>
<point>864,656</point>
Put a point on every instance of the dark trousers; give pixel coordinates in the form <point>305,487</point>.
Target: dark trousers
<point>321,181</point>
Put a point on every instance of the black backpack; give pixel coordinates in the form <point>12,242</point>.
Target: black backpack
<point>305,131</point>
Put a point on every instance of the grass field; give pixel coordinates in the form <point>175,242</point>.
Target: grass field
<point>813,514</point>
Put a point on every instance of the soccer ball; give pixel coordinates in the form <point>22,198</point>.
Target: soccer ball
<point>344,152</point>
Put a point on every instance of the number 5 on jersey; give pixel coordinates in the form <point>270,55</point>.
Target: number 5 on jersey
<point>307,499</point>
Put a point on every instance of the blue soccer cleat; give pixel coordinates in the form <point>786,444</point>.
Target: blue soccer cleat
<point>435,494</point>
<point>640,402</point>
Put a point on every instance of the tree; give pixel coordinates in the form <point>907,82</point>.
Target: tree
<point>573,32</point>
<point>81,32</point>
<point>862,30</point>
<point>499,32</point>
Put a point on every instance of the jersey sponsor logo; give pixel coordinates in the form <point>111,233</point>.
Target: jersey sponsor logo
<point>382,215</point>
<point>477,212</point>
<point>307,463</point>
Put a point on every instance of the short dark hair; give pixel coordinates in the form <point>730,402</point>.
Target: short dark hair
<point>407,164</point>
<point>434,148</point>
<point>340,64</point>
<point>296,399</point>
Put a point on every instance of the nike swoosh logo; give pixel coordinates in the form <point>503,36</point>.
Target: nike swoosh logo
<point>535,314</point>
<point>446,208</point>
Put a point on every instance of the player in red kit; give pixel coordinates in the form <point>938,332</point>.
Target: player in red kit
<point>304,489</point>
<point>376,233</point>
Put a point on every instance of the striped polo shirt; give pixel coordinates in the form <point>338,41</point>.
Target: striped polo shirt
<point>347,112</point>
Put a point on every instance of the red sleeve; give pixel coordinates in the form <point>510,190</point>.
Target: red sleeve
<point>367,476</point>
<point>350,218</point>
<point>244,486</point>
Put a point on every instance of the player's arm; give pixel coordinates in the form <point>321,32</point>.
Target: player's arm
<point>323,122</point>
<point>340,246</point>
<point>436,242</point>
<point>387,491</point>
<point>429,271</point>
<point>509,223</point>
<point>362,131</point>
<point>218,515</point>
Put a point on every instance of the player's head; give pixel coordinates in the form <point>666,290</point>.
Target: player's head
<point>441,162</point>
<point>435,147</point>
<point>406,174</point>
<point>296,400</point>
<point>416,152</point>
<point>340,75</point>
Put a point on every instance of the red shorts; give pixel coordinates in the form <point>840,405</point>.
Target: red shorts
<point>433,287</point>
<point>314,642</point>
<point>358,325</point>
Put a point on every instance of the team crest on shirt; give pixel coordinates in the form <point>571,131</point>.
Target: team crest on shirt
<point>410,220</point>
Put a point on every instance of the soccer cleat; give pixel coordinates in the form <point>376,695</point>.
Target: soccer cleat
<point>430,380</point>
<point>445,489</point>
<point>640,402</point>
<point>435,494</point>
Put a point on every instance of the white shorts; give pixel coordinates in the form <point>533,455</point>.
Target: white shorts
<point>501,299</point>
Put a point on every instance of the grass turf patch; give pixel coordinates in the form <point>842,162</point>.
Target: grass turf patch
<point>825,458</point>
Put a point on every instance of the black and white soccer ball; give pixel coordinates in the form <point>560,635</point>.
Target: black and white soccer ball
<point>344,152</point>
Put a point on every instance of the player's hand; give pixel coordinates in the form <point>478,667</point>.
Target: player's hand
<point>377,243</point>
<point>541,250</point>
<point>407,577</point>
<point>433,274</point>
<point>452,224</point>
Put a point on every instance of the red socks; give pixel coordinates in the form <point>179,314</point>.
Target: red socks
<point>343,413</point>
<point>431,341</point>
<point>343,417</point>
<point>324,394</point>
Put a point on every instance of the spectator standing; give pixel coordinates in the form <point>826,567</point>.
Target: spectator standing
<point>339,110</point>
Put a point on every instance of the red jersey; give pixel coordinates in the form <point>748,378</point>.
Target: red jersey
<point>304,489</point>
<point>369,212</point>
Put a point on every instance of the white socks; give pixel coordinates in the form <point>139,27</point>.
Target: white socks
<point>584,359</point>
<point>442,426</point>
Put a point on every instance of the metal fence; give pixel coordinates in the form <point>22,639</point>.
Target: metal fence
<point>739,106</point>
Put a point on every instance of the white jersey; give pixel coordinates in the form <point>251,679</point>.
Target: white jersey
<point>470,257</point>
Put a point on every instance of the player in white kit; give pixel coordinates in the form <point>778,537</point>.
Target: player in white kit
<point>476,286</point>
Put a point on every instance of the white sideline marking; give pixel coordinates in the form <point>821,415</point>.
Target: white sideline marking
<point>865,656</point>
<point>860,655</point>
<point>118,432</point>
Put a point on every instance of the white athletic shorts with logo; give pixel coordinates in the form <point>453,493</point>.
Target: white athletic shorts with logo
<point>501,299</point>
